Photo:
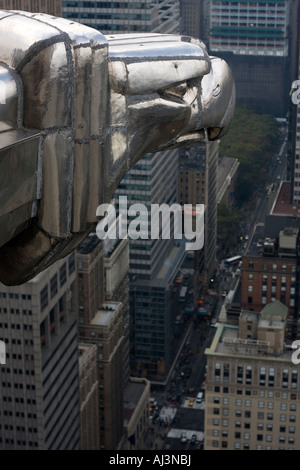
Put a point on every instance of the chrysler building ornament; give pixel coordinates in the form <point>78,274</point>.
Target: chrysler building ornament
<point>77,111</point>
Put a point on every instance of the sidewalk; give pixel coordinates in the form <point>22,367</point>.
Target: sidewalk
<point>156,435</point>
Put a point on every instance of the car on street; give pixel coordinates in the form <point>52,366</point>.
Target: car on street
<point>191,402</point>
<point>193,438</point>
<point>183,437</point>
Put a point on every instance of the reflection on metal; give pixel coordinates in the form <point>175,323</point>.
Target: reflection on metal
<point>77,111</point>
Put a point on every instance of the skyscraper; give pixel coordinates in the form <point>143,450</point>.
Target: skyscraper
<point>39,407</point>
<point>251,28</point>
<point>295,115</point>
<point>52,7</point>
<point>197,184</point>
<point>127,17</point>
<point>254,38</point>
<point>153,180</point>
<point>195,18</point>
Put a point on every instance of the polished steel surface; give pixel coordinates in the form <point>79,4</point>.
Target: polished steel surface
<point>90,107</point>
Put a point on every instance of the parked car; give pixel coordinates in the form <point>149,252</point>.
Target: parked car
<point>183,437</point>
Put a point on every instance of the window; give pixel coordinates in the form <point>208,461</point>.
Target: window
<point>240,374</point>
<point>217,372</point>
<point>53,286</point>
<point>248,375</point>
<point>285,378</point>
<point>262,376</point>
<point>63,274</point>
<point>226,373</point>
<point>294,378</point>
<point>71,263</point>
<point>44,297</point>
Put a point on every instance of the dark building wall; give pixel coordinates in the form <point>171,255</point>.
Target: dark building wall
<point>262,83</point>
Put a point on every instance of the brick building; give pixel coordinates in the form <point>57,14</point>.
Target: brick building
<point>269,272</point>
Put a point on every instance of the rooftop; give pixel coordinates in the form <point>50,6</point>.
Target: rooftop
<point>105,313</point>
<point>227,342</point>
<point>282,204</point>
<point>275,309</point>
<point>89,244</point>
<point>283,246</point>
<point>167,269</point>
<point>132,395</point>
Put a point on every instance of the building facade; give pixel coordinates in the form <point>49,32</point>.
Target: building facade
<point>127,17</point>
<point>39,407</point>
<point>252,385</point>
<point>197,184</point>
<point>153,180</point>
<point>195,18</point>
<point>295,115</point>
<point>89,397</point>
<point>52,7</point>
<point>254,38</point>
<point>251,28</point>
<point>269,273</point>
<point>116,287</point>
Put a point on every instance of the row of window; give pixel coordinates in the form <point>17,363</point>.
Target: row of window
<point>4,295</point>
<point>267,267</point>
<point>262,416</point>
<point>261,404</point>
<point>11,442</point>
<point>15,326</point>
<point>266,376</point>
<point>15,311</point>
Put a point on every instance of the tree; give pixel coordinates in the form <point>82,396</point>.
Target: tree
<point>252,138</point>
<point>228,226</point>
